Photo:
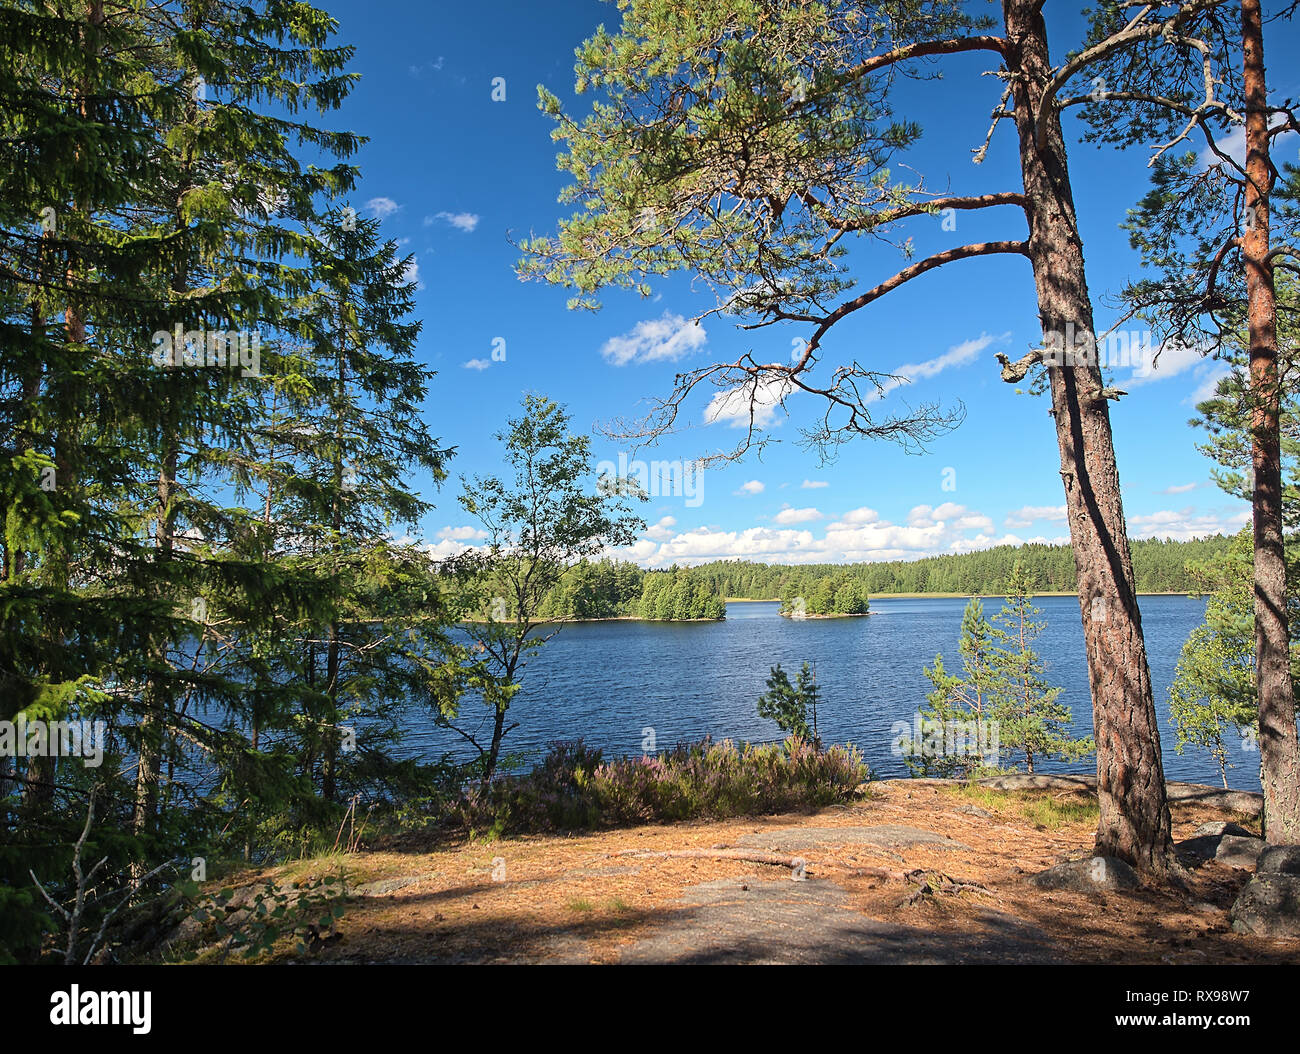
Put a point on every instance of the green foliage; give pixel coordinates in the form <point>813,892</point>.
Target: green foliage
<point>307,911</point>
<point>1158,565</point>
<point>602,589</point>
<point>1225,417</point>
<point>833,592</point>
<point>969,698</point>
<point>197,552</point>
<point>22,924</point>
<point>1213,692</point>
<point>574,789</point>
<point>1032,723</point>
<point>538,524</point>
<point>1212,698</point>
<point>789,704</point>
<point>1002,706</point>
<point>741,142</point>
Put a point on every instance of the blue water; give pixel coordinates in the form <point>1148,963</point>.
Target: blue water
<point>610,681</point>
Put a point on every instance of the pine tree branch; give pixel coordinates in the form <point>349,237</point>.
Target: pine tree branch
<point>1135,32</point>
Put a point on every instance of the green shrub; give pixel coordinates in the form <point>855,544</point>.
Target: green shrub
<point>574,789</point>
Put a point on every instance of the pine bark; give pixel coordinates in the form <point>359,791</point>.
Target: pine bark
<point>1278,747</point>
<point>1134,824</point>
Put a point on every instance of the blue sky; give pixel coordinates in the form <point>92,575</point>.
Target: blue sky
<point>455,175</point>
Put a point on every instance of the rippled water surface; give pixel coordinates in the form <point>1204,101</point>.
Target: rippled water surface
<point>609,681</point>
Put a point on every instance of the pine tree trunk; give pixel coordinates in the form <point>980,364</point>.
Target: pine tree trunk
<point>1278,747</point>
<point>1134,822</point>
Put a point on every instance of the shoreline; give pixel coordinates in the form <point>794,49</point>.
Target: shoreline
<point>776,600</point>
<point>949,596</point>
<point>838,614</point>
<point>607,618</point>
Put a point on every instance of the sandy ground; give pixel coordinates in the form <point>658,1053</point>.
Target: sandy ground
<point>592,899</point>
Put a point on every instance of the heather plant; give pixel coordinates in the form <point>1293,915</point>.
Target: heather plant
<point>574,788</point>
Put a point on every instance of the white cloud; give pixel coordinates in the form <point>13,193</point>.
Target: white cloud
<point>476,364</point>
<point>444,549</point>
<point>1209,375</point>
<point>758,543</point>
<point>958,515</point>
<point>431,67</point>
<point>1181,488</point>
<point>760,398</point>
<point>1234,144</point>
<point>814,484</point>
<point>462,534</point>
<point>382,208</point>
<point>1187,523</point>
<point>1176,361</point>
<point>412,272</point>
<point>859,535</point>
<point>462,221</point>
<point>1030,514</point>
<point>452,541</point>
<point>1171,360</point>
<point>957,355</point>
<point>663,530</point>
<point>654,340</point>
<point>788,516</point>
<point>752,487</point>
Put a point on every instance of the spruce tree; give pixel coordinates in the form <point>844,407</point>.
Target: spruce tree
<point>786,703</point>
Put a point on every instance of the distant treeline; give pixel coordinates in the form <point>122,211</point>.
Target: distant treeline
<point>1159,566</point>
<point>595,589</point>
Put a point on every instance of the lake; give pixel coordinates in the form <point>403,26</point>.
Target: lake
<point>609,681</point>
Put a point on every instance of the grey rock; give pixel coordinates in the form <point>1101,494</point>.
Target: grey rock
<point>888,836</point>
<point>975,810</point>
<point>385,885</point>
<point>1268,906</point>
<point>1218,828</point>
<point>1245,803</point>
<point>1021,781</point>
<point>237,920</point>
<point>241,897</point>
<point>1089,875</point>
<point>189,929</point>
<point>1229,849</point>
<point>743,920</point>
<point>1279,860</point>
<point>1238,852</point>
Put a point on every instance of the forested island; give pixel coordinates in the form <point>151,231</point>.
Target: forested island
<point>605,589</point>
